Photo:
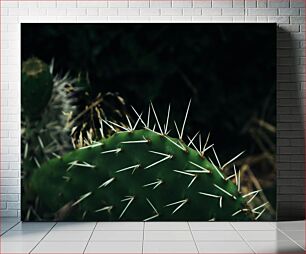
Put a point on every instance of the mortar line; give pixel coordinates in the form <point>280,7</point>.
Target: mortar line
<point>143,232</point>
<point>42,238</point>
<point>90,236</point>
<point>247,243</point>
<point>193,237</point>
<point>10,228</point>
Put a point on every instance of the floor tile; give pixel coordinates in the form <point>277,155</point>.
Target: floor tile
<point>166,225</point>
<point>169,247</point>
<point>23,236</point>
<point>273,235</point>
<point>101,236</point>
<point>60,247</point>
<point>164,235</point>
<point>5,226</point>
<point>63,226</point>
<point>297,236</point>
<point>224,247</point>
<point>33,226</point>
<point>70,236</point>
<point>119,226</point>
<point>225,226</point>
<point>216,236</point>
<point>253,225</point>
<point>291,225</point>
<point>114,247</point>
<point>17,247</point>
<point>276,247</point>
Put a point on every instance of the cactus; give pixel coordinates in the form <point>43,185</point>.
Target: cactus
<point>142,174</point>
<point>36,87</point>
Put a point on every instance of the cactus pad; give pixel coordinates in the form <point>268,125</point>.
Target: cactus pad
<point>140,175</point>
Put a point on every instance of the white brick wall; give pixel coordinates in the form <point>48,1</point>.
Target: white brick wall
<point>289,14</point>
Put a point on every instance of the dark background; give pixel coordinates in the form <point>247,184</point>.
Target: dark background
<point>229,71</point>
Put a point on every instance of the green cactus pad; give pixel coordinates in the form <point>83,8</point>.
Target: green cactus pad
<point>36,87</point>
<point>138,175</point>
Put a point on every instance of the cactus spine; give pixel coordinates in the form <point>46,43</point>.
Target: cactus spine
<point>141,174</point>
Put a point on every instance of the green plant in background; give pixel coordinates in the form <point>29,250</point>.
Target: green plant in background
<point>84,123</point>
<point>55,120</point>
<point>142,174</point>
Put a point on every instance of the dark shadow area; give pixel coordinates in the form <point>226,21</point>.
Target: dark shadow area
<point>290,132</point>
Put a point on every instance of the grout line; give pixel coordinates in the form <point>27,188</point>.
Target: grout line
<point>290,238</point>
<point>193,238</point>
<point>42,238</point>
<point>143,232</point>
<point>10,228</point>
<point>90,237</point>
<point>247,243</point>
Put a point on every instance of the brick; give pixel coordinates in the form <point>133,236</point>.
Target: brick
<point>211,11</point>
<point>2,205</point>
<point>262,12</point>
<point>262,19</point>
<point>238,3</point>
<point>10,189</point>
<point>202,18</point>
<point>28,4</point>
<point>139,4</point>
<point>92,4</point>
<point>297,3</point>
<point>181,18</point>
<point>262,3</point>
<point>18,12</point>
<point>297,20</point>
<point>76,11</point>
<point>202,3</point>
<point>181,3</point>
<point>250,3</point>
<point>108,11</point>
<point>150,12</point>
<point>8,181</point>
<point>171,12</point>
<point>13,205</point>
<point>92,11</point>
<point>291,174</point>
<point>57,12</point>
<point>118,4</point>
<point>128,11</point>
<point>222,3</point>
<point>9,213</point>
<point>160,19</point>
<point>192,11</point>
<point>9,4</point>
<point>38,11</point>
<point>289,11</point>
<point>66,4</point>
<point>279,20</point>
<point>9,173</point>
<point>233,12</point>
<point>138,18</point>
<point>222,19</point>
<point>278,3</point>
<point>47,4</point>
<point>9,197</point>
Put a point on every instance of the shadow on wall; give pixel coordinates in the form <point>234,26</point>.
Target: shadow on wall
<point>290,131</point>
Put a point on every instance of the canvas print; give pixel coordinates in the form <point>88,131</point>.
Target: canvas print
<point>148,122</point>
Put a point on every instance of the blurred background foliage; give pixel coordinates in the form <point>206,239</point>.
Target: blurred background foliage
<point>229,71</point>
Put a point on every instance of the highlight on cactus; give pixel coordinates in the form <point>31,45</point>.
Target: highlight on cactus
<point>145,171</point>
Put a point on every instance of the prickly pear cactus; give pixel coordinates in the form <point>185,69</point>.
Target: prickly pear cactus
<point>137,175</point>
<point>36,87</point>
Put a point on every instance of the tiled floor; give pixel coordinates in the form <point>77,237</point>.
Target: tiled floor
<point>152,237</point>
